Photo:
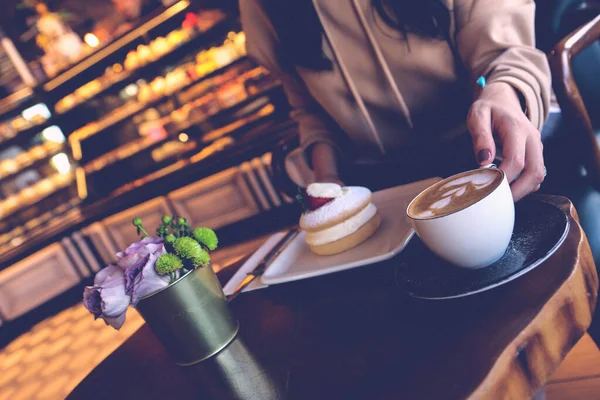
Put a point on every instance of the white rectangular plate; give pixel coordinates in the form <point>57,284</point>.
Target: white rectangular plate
<point>297,261</point>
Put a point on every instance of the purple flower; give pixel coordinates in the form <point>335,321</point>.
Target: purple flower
<point>137,262</point>
<point>107,298</point>
<point>147,245</point>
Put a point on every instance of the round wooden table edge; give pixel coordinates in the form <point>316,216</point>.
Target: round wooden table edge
<point>526,365</point>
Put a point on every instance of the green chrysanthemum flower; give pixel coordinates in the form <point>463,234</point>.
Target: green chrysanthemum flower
<point>187,248</point>
<point>207,237</point>
<point>167,263</point>
<point>191,251</point>
<point>202,259</point>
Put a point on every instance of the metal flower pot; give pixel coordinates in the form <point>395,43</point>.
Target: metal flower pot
<point>191,317</point>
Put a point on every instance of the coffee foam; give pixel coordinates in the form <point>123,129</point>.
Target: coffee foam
<point>481,179</point>
<point>455,193</point>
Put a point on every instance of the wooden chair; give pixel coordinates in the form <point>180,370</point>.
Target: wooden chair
<point>570,99</point>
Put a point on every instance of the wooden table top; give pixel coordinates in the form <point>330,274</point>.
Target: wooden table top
<point>354,335</point>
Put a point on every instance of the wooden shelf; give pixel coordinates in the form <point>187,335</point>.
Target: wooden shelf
<point>229,110</point>
<point>26,134</point>
<point>110,120</point>
<point>119,84</point>
<point>150,70</point>
<point>123,113</point>
<point>114,156</point>
<point>119,44</point>
<point>35,164</point>
<point>25,205</point>
<point>11,102</point>
<point>144,144</point>
<point>212,74</point>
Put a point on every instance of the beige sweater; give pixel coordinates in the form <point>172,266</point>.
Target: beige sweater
<point>386,95</point>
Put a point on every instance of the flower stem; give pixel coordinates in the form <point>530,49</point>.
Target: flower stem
<point>137,222</point>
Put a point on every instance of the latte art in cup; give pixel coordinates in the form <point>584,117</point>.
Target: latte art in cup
<point>466,219</point>
<point>455,194</point>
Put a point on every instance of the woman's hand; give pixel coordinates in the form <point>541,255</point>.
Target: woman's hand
<point>498,111</point>
<point>324,160</point>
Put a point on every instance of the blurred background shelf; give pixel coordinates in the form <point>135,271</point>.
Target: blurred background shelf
<point>32,163</point>
<point>172,101</point>
<point>94,63</point>
<point>228,112</point>
<point>25,135</point>
<point>15,100</point>
<point>131,109</point>
<point>153,68</point>
<point>147,155</point>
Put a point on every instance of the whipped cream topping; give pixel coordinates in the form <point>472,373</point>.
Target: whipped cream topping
<point>324,190</point>
<point>342,229</point>
<point>353,198</point>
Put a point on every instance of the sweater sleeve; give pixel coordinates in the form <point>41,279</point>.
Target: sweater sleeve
<point>496,39</point>
<point>262,45</point>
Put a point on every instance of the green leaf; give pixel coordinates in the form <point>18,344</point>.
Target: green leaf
<point>300,200</point>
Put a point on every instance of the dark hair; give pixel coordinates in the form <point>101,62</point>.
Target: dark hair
<point>300,32</point>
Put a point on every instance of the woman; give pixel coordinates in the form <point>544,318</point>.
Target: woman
<point>396,82</point>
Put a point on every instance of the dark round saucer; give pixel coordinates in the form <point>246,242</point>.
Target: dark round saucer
<point>540,228</point>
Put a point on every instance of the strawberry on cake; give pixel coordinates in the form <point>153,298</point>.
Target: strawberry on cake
<point>338,218</point>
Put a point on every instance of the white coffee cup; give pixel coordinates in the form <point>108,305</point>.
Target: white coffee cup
<point>475,236</point>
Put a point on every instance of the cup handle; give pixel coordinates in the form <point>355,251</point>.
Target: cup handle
<point>495,166</point>
<point>488,166</point>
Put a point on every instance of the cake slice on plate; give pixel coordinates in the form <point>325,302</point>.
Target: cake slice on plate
<point>338,218</point>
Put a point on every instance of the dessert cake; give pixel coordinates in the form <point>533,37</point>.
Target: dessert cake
<point>338,218</point>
